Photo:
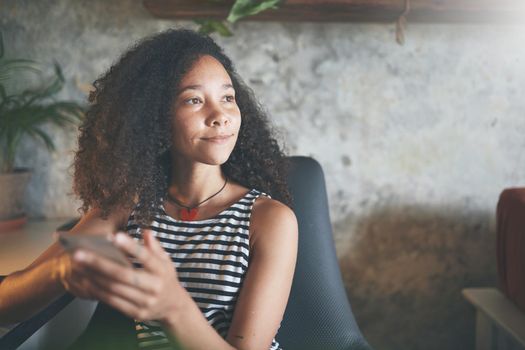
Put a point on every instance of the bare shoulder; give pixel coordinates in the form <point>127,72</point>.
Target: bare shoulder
<point>272,221</point>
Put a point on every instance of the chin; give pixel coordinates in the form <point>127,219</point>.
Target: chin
<point>215,159</point>
<point>214,155</point>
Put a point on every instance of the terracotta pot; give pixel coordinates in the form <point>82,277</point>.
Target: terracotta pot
<point>12,195</point>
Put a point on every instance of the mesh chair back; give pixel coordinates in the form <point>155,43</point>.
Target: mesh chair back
<point>318,314</point>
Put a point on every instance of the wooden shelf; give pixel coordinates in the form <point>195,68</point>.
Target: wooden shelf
<point>503,11</point>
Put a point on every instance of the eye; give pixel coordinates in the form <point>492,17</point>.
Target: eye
<point>193,100</point>
<point>230,98</point>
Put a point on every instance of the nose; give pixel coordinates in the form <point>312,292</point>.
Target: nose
<point>218,117</point>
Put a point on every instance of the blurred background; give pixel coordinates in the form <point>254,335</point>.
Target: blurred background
<point>416,140</point>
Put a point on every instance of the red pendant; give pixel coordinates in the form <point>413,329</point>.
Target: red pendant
<point>188,215</point>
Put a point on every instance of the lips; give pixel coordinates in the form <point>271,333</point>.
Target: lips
<point>218,138</point>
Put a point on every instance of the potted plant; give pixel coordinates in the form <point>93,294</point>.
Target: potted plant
<point>23,114</point>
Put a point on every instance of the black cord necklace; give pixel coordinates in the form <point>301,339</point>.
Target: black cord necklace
<point>190,213</point>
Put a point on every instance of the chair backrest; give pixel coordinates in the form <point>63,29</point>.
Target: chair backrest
<point>318,314</point>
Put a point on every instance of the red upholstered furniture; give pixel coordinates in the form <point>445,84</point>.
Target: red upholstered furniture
<point>511,244</point>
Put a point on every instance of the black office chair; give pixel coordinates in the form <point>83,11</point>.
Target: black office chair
<point>318,315</point>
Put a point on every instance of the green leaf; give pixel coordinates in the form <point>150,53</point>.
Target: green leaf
<point>208,26</point>
<point>243,8</point>
<point>33,95</point>
<point>38,133</point>
<point>9,67</point>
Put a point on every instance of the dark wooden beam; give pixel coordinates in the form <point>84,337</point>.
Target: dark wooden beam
<point>501,11</point>
<point>497,11</point>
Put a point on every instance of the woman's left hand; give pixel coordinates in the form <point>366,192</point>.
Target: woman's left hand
<point>149,293</point>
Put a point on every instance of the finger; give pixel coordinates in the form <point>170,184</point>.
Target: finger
<point>101,265</point>
<point>133,294</point>
<point>107,272</point>
<point>141,253</point>
<point>125,306</point>
<point>153,243</point>
<point>78,282</point>
<point>95,265</point>
<point>138,280</point>
<point>82,277</point>
<point>80,288</point>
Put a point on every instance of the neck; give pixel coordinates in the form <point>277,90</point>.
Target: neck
<point>192,184</point>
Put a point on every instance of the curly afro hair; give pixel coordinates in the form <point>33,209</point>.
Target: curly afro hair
<point>123,158</point>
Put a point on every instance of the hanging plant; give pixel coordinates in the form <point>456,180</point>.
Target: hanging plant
<point>240,9</point>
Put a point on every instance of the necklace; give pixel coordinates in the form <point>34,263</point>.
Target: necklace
<point>190,213</point>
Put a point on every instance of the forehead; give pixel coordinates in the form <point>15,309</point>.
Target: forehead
<point>205,68</point>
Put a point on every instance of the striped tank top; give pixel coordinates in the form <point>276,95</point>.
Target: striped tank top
<point>211,257</point>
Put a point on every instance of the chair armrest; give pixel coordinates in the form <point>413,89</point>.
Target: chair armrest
<point>22,331</point>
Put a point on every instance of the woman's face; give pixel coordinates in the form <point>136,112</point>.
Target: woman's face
<point>205,115</point>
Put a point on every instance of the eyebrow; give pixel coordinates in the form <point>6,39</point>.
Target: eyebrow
<point>199,87</point>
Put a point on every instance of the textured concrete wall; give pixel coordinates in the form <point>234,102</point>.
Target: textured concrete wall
<point>416,141</point>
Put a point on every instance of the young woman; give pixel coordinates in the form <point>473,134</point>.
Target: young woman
<point>177,163</point>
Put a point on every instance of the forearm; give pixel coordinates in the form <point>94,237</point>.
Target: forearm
<point>190,329</point>
<point>24,293</point>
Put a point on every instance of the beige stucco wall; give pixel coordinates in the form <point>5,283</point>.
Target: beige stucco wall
<point>416,141</point>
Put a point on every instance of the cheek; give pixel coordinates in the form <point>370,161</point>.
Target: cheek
<point>183,133</point>
<point>237,121</point>
<point>237,128</point>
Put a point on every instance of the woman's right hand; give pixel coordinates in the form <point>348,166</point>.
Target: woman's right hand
<point>72,276</point>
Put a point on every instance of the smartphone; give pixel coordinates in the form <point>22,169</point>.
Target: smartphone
<point>97,244</point>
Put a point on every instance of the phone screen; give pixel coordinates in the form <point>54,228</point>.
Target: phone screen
<point>97,244</point>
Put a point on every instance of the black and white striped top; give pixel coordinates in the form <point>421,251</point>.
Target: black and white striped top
<point>211,258</point>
